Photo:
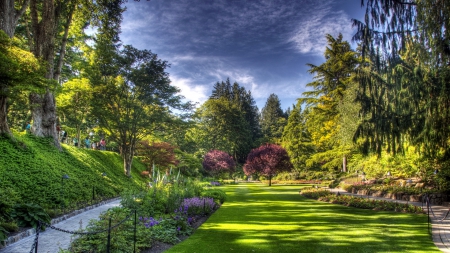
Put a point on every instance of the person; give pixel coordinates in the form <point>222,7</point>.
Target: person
<point>28,128</point>
<point>64,136</point>
<point>102,144</point>
<point>94,145</point>
<point>87,142</point>
<point>75,141</point>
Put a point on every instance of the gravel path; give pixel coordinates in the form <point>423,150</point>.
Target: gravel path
<point>51,241</point>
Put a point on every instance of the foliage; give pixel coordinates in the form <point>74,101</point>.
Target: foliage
<point>245,103</point>
<point>268,160</point>
<point>161,198</point>
<point>273,119</point>
<point>296,139</point>
<point>32,170</point>
<point>29,215</point>
<point>134,98</point>
<point>218,195</point>
<point>218,162</point>
<point>158,153</point>
<point>359,202</point>
<point>221,125</point>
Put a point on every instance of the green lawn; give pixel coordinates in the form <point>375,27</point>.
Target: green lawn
<point>258,218</point>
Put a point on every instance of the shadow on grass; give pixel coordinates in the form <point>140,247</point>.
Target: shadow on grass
<point>277,219</point>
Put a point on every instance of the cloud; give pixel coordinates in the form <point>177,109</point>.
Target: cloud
<point>309,35</point>
<point>191,91</point>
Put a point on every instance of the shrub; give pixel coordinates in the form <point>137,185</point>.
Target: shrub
<point>217,194</point>
<point>29,215</point>
<point>313,193</point>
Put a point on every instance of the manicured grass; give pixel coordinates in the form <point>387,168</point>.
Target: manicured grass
<point>258,218</point>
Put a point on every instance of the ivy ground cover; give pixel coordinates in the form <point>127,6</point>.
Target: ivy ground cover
<point>258,218</point>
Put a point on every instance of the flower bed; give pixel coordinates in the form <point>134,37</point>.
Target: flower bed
<point>359,202</point>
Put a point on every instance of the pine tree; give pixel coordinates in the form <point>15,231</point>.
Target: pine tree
<point>273,119</point>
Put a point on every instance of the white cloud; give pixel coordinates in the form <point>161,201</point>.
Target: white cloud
<point>309,36</point>
<point>192,92</point>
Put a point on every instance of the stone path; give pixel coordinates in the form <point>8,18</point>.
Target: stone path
<point>440,225</point>
<point>51,241</point>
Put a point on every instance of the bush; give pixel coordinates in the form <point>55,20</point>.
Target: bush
<point>217,194</point>
<point>29,215</point>
<point>198,206</point>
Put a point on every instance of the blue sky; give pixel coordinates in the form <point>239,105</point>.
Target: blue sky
<point>263,45</point>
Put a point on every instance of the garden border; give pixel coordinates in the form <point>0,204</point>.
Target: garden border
<point>32,231</point>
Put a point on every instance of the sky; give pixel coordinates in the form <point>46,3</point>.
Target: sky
<point>263,45</point>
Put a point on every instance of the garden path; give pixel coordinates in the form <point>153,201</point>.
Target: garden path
<point>51,241</point>
<point>440,224</point>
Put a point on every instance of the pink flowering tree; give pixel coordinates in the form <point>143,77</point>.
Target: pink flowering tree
<point>217,162</point>
<point>267,160</point>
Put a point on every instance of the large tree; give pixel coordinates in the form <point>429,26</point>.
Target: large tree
<point>273,119</point>
<point>133,98</point>
<point>222,125</point>
<point>404,87</point>
<point>267,160</point>
<point>19,71</point>
<point>296,138</point>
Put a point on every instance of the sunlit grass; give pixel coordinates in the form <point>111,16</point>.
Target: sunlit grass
<point>257,218</point>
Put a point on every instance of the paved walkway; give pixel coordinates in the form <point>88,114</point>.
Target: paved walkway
<point>51,241</point>
<point>440,226</point>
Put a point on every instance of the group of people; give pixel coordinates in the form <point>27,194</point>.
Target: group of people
<point>101,145</point>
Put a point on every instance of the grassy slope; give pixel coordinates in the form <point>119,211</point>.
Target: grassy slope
<point>33,168</point>
<point>257,218</point>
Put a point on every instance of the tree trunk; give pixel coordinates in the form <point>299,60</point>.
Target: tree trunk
<point>44,32</point>
<point>44,116</point>
<point>270,180</point>
<point>4,128</point>
<point>9,16</point>
<point>127,161</point>
<point>344,164</point>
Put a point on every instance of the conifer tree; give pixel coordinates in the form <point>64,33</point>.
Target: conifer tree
<point>273,120</point>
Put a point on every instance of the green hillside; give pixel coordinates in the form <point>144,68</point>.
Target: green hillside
<point>31,171</point>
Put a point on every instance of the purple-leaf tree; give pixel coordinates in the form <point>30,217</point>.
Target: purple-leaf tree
<point>217,162</point>
<point>268,160</point>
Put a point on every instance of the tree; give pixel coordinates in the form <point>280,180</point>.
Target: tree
<point>268,160</point>
<point>221,125</point>
<point>245,103</point>
<point>296,138</point>
<point>273,119</point>
<point>404,87</point>
<point>158,153</point>
<point>133,98</point>
<point>217,162</point>
<point>19,71</point>
<point>74,103</point>
<point>331,81</point>
<point>10,15</point>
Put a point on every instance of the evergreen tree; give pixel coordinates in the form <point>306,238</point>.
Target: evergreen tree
<point>296,139</point>
<point>404,86</point>
<point>273,120</point>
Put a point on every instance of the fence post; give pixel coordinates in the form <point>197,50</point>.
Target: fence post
<point>108,244</point>
<point>135,224</point>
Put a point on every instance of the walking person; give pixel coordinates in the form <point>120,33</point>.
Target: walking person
<point>87,142</point>
<point>102,144</point>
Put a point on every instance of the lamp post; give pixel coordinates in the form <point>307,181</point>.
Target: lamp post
<point>65,176</point>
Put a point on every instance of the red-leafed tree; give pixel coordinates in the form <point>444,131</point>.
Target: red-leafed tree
<point>268,160</point>
<point>217,162</point>
<point>158,153</point>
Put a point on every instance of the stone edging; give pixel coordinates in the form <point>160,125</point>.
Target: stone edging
<point>32,231</point>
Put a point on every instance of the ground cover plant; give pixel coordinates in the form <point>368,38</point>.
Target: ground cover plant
<point>32,169</point>
<point>258,218</point>
<point>359,202</point>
